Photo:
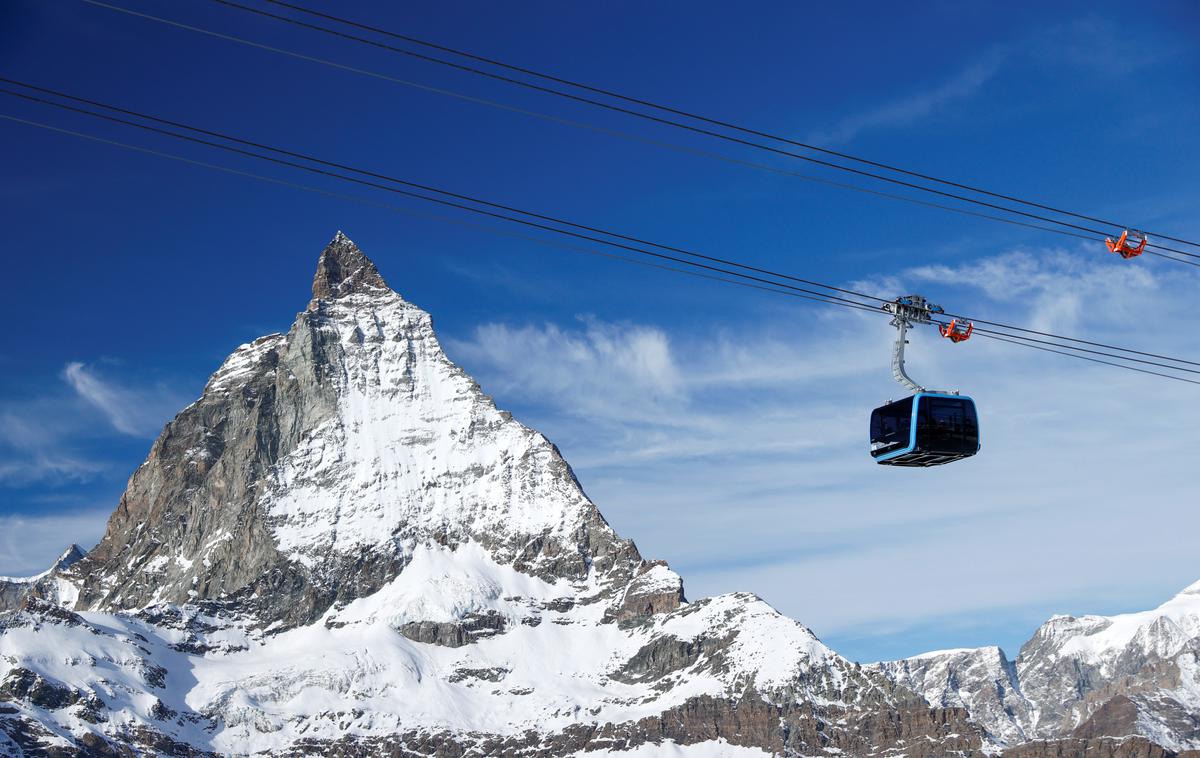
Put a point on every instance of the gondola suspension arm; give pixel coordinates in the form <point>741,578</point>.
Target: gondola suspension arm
<point>898,357</point>
<point>906,311</point>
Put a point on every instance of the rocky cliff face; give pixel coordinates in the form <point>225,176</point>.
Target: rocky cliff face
<point>981,680</point>
<point>1092,679</point>
<point>343,547</point>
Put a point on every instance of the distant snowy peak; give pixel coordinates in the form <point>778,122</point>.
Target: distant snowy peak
<point>1087,676</point>
<point>56,584</point>
<point>69,557</point>
<point>1161,632</point>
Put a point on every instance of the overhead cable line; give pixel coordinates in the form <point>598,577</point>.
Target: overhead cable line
<point>788,290</point>
<point>364,172</point>
<point>601,129</point>
<point>679,112</point>
<point>592,127</point>
<point>551,219</point>
<point>718,135</point>
<point>441,201</point>
<point>1084,357</point>
<point>448,220</point>
<point>469,198</point>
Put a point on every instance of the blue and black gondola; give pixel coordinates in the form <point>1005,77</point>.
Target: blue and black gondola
<point>926,429</point>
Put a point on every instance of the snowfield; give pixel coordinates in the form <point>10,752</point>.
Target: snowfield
<point>353,673</point>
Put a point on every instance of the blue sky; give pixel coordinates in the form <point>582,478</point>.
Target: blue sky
<point>720,428</point>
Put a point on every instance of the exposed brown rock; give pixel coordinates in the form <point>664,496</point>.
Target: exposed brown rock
<point>750,720</point>
<point>1116,718</point>
<point>343,269</point>
<point>1104,747</point>
<point>646,595</point>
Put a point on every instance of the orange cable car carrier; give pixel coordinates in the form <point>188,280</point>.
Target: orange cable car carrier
<point>1129,245</point>
<point>957,331</point>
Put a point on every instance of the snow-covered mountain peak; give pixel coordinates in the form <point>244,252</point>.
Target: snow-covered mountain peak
<point>982,680</point>
<point>1160,631</point>
<point>412,449</point>
<point>69,557</point>
<point>319,463</point>
<point>1083,676</point>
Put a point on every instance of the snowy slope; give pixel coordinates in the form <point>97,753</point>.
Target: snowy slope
<point>557,667</point>
<point>416,446</point>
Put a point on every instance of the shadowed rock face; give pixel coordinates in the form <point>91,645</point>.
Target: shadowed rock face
<point>454,634</point>
<point>1115,718</point>
<point>23,684</point>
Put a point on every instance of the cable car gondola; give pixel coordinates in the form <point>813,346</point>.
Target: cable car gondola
<point>925,429</point>
<point>928,428</point>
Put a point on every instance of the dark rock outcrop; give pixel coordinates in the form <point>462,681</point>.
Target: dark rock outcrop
<point>26,685</point>
<point>454,634</point>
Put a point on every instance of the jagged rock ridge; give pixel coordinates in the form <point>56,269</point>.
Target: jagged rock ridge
<point>344,547</point>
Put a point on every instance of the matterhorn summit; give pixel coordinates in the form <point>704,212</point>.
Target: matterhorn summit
<point>344,548</point>
<point>318,462</point>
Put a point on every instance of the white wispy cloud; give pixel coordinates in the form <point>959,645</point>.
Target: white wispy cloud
<point>741,457</point>
<point>616,371</point>
<point>1070,45</point>
<point>54,468</point>
<point>137,412</point>
<point>915,106</point>
<point>51,438</point>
